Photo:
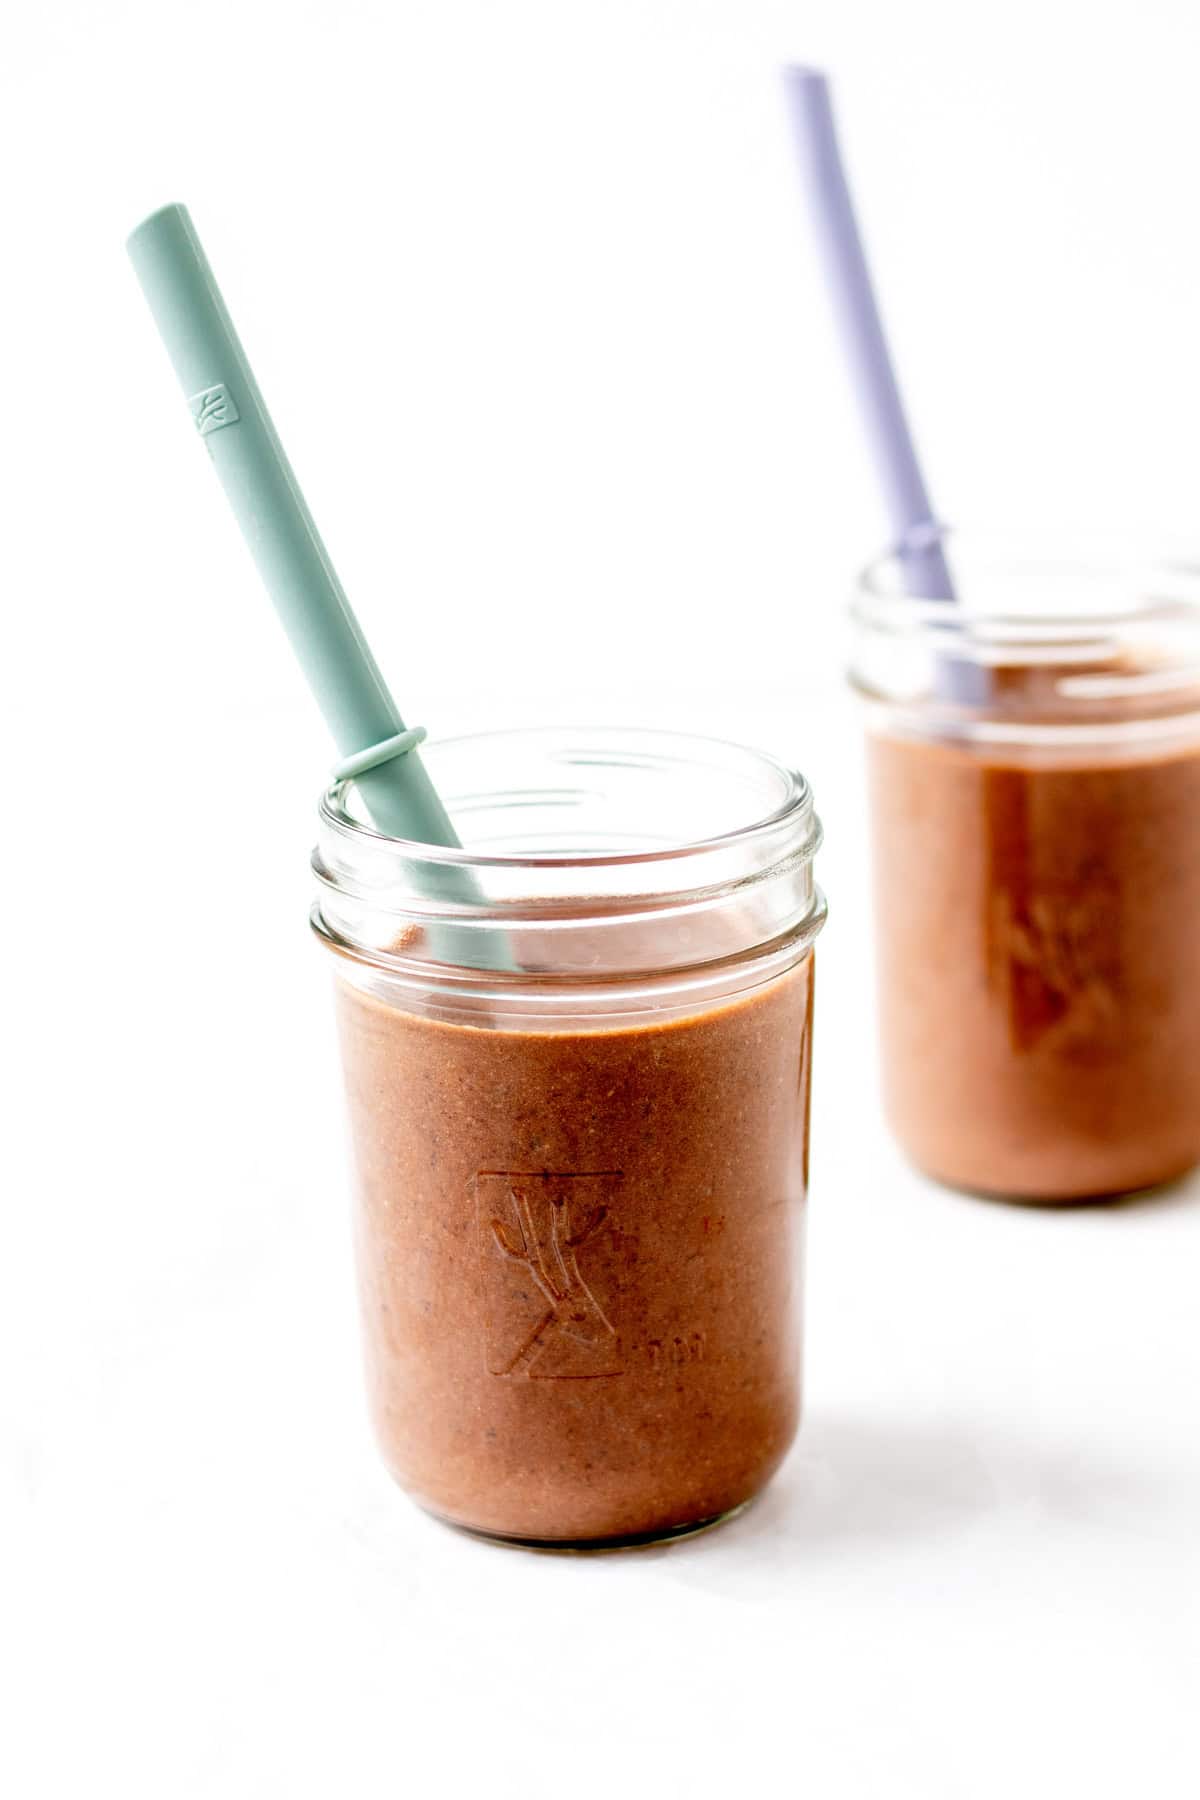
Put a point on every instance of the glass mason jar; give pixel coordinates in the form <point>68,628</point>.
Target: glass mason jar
<point>578,1096</point>
<point>1034,764</point>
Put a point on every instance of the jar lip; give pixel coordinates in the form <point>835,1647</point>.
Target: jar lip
<point>1159,587</point>
<point>796,805</point>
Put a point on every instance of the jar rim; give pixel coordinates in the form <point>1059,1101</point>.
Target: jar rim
<point>1050,642</point>
<point>1146,588</point>
<point>796,806</point>
<point>726,882</point>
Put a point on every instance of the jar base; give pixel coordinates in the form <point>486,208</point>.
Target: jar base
<point>1089,1195</point>
<point>643,1540</point>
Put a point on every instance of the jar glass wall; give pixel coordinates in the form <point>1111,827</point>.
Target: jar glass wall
<point>578,1095</point>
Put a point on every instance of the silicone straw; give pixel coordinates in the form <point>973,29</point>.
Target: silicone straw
<point>913,521</point>
<point>233,421</point>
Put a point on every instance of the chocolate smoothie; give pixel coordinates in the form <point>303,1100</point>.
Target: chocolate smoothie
<point>580,1253</point>
<point>1038,929</point>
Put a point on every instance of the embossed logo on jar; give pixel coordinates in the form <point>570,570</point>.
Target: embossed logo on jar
<point>544,1318</point>
<point>1055,958</point>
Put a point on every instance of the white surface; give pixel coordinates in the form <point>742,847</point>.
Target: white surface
<point>529,291</point>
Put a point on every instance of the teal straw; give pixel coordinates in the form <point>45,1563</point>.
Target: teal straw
<point>379,753</point>
<point>233,421</point>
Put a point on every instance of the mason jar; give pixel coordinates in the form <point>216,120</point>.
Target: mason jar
<point>1034,767</point>
<point>577,1059</point>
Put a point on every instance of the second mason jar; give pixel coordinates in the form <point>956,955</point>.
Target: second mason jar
<point>1034,761</point>
<point>577,1057</point>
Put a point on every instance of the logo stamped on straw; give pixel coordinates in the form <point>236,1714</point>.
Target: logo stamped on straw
<point>213,407</point>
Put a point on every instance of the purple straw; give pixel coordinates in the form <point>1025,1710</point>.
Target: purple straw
<point>914,525</point>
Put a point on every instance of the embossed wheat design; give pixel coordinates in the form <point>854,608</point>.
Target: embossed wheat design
<point>212,410</point>
<point>555,1270</point>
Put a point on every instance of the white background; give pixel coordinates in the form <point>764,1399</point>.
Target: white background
<point>530,291</point>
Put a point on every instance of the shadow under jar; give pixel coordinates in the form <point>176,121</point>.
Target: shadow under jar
<point>578,1095</point>
<point>1034,765</point>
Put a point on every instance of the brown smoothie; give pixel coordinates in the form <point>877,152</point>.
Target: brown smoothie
<point>579,1252</point>
<point>1038,920</point>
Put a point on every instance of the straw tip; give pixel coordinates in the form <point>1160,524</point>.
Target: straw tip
<point>805,78</point>
<point>173,211</point>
